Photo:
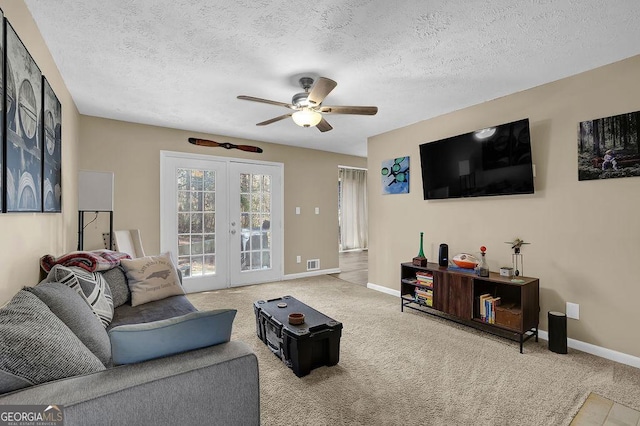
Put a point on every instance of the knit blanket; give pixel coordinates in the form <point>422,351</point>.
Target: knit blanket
<point>92,261</point>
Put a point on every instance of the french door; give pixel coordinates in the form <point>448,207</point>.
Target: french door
<point>221,219</point>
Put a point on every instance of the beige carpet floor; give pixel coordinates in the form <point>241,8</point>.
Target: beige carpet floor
<point>414,369</point>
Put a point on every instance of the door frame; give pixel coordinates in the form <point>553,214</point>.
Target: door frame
<point>166,245</point>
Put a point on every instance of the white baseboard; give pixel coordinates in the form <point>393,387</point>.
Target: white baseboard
<point>384,289</point>
<point>311,273</point>
<point>610,354</point>
<point>616,356</point>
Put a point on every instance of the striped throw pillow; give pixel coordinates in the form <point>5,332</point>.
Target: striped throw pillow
<point>90,285</point>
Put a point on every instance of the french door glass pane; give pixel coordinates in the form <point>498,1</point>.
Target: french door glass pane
<point>196,222</point>
<point>255,221</point>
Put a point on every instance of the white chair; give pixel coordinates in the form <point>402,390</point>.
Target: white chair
<point>129,242</point>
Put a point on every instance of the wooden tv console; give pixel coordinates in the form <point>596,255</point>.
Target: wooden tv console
<point>456,296</point>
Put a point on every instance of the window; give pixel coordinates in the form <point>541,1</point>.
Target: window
<point>196,222</point>
<point>255,221</point>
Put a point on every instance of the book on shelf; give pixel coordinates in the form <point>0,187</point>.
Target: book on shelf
<point>459,269</point>
<point>424,295</point>
<point>482,306</point>
<point>425,279</point>
<point>424,275</point>
<point>490,304</point>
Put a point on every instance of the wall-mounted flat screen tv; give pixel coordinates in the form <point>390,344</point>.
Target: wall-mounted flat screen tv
<point>491,161</point>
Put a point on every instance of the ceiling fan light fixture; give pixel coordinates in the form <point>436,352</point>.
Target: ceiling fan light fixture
<point>306,118</point>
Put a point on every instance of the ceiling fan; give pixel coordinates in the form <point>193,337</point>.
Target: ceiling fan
<point>307,105</point>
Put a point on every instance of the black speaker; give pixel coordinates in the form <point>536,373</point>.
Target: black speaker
<point>557,332</point>
<point>443,255</point>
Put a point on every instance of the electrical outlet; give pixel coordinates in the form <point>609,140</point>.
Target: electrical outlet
<point>298,259</point>
<point>317,210</point>
<point>297,210</point>
<point>573,310</point>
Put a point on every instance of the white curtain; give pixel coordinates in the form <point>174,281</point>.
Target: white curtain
<point>353,209</point>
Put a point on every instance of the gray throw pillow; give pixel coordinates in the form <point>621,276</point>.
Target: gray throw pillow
<point>91,285</point>
<point>76,313</point>
<point>36,346</point>
<point>118,284</point>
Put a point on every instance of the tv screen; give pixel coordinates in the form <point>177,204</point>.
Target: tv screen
<point>491,161</point>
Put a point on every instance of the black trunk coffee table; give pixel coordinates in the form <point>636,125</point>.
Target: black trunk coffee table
<point>302,347</point>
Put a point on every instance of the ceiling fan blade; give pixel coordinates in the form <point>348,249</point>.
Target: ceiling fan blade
<point>265,101</point>
<point>320,90</point>
<point>324,125</point>
<point>273,120</point>
<point>358,110</point>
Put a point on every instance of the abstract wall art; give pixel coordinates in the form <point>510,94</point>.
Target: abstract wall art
<point>395,176</point>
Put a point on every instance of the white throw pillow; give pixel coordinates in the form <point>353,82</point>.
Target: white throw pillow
<point>151,278</point>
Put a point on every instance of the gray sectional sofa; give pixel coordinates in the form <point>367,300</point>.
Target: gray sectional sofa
<point>162,363</point>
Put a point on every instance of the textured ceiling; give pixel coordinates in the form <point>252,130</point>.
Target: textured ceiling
<point>181,64</point>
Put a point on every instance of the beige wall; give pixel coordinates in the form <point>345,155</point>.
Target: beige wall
<point>25,237</point>
<point>584,235</point>
<point>132,152</point>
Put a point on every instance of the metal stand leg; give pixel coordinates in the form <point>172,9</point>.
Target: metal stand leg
<point>80,229</point>
<point>521,341</point>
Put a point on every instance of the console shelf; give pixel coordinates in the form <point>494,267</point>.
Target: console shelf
<point>512,310</point>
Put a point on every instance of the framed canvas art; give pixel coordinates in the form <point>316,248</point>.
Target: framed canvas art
<point>395,176</point>
<point>2,86</point>
<point>23,104</point>
<point>52,150</point>
<point>609,147</point>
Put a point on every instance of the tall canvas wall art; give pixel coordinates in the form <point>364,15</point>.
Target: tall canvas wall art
<point>52,165</point>
<point>2,86</point>
<point>23,104</point>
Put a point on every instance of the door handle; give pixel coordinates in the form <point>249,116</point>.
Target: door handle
<point>233,232</point>
<point>233,224</point>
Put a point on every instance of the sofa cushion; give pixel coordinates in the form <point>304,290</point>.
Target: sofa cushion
<point>151,278</point>
<point>140,342</point>
<point>76,313</point>
<point>118,284</point>
<point>170,307</point>
<point>91,285</point>
<point>36,346</point>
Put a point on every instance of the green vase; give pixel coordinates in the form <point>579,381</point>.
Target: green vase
<point>421,253</point>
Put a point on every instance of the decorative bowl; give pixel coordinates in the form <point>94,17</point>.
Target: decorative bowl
<point>465,260</point>
<point>296,318</point>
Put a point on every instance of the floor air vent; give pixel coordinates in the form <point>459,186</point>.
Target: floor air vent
<point>313,264</point>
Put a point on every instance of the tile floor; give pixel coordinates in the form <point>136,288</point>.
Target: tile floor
<point>597,410</point>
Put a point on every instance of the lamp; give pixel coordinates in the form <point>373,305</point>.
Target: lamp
<point>95,194</point>
<point>306,118</point>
